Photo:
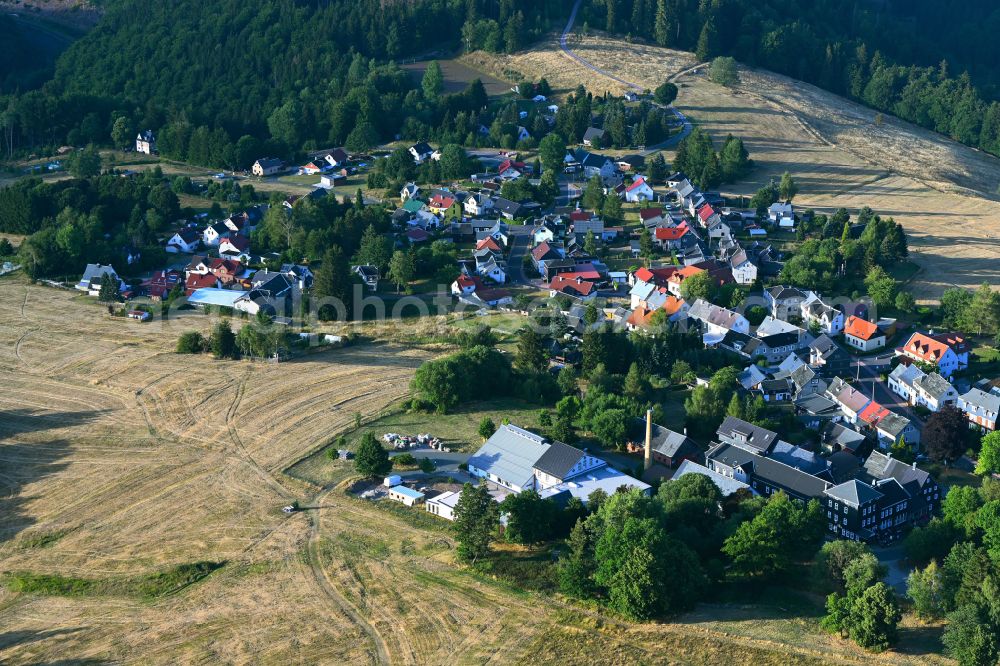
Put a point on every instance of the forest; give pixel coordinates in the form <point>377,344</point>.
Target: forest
<point>930,63</point>
<point>236,78</point>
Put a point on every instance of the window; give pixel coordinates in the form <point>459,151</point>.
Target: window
<point>828,514</point>
<point>845,508</point>
<point>845,520</point>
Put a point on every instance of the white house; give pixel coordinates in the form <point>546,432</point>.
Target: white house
<point>267,166</point>
<point>235,247</point>
<point>542,234</point>
<point>862,334</point>
<point>92,277</point>
<point>717,321</point>
<point>404,495</point>
<point>443,505</point>
<point>827,319</point>
<point>184,241</point>
<point>919,388</point>
<point>519,460</point>
<point>214,233</point>
<point>934,351</point>
<point>477,204</point>
<point>743,268</point>
<point>782,214</point>
<point>639,190</point>
<point>421,152</point>
<point>145,142</point>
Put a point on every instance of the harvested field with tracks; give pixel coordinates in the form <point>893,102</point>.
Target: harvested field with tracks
<point>944,193</point>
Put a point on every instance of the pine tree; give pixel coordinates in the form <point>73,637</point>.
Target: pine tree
<point>371,460</point>
<point>661,25</point>
<point>708,46</point>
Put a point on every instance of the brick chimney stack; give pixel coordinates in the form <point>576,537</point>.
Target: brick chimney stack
<point>648,460</point>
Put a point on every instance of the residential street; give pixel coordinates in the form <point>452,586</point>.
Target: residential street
<point>871,368</point>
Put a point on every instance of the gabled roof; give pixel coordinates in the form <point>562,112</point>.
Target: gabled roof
<point>705,212</point>
<point>442,201</point>
<point>510,454</point>
<point>650,213</point>
<point>775,472</point>
<point>781,292</point>
<point>670,233</point>
<point>741,433</point>
<point>593,133</point>
<point>636,184</point>
<point>544,250</point>
<point>854,492</point>
<point>882,466</point>
<point>714,314</point>
<point>860,328</point>
<point>559,459</point>
<point>421,148</point>
<point>925,348</point>
<point>981,399</point>
<point>571,287</point>
<point>663,440</point>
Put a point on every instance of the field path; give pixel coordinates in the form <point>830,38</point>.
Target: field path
<point>326,584</point>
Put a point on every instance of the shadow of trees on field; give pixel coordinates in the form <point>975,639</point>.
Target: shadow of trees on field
<point>23,463</point>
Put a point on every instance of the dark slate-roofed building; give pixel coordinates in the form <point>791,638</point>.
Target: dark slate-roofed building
<point>924,492</point>
<point>763,474</point>
<point>828,358</point>
<point>851,510</point>
<point>668,447</point>
<point>740,433</point>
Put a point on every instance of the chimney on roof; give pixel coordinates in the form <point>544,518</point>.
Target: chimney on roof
<point>648,459</point>
<point>914,464</point>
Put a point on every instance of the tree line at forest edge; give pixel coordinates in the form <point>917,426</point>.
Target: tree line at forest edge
<point>889,56</point>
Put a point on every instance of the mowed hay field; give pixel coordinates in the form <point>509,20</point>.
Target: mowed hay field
<point>119,458</point>
<point>942,192</point>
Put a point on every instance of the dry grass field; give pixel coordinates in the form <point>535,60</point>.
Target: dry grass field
<point>943,193</point>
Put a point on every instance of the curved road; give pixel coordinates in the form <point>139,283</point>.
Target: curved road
<point>685,123</point>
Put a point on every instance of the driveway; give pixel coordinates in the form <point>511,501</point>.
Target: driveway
<point>520,244</point>
<point>447,463</point>
<point>893,557</point>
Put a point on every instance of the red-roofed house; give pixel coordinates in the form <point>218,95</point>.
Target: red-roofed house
<point>489,243</point>
<point>225,269</point>
<point>159,285</point>
<point>439,203</point>
<point>657,276</point>
<point>465,285</point>
<point>580,216</point>
<point>577,288</point>
<point>639,190</point>
<point>235,247</point>
<point>937,352</point>
<point>674,281</point>
<point>197,281</point>
<point>862,334</point>
<point>647,214</point>
<point>670,237</point>
<point>705,215</point>
<point>544,252</point>
<point>509,169</point>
